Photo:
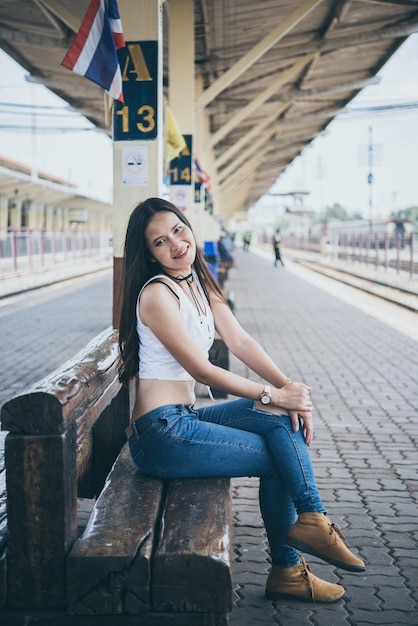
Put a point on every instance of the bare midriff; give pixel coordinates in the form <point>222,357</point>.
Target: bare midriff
<point>151,394</point>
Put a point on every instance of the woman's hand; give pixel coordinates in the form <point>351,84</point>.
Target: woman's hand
<point>293,396</point>
<point>297,399</point>
<point>304,419</point>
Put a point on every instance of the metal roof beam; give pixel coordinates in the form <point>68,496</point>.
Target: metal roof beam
<point>235,200</point>
<point>311,117</point>
<point>11,35</point>
<point>256,52</point>
<point>234,197</point>
<point>260,99</point>
<point>61,12</point>
<point>411,3</point>
<point>336,16</point>
<point>306,94</point>
<point>240,174</point>
<point>246,154</point>
<point>353,36</point>
<point>353,39</point>
<point>251,135</point>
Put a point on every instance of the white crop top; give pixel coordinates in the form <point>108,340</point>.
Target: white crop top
<point>155,361</point>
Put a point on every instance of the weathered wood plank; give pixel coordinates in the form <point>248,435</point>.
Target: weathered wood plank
<point>60,618</point>
<point>41,517</point>
<point>3,493</point>
<point>67,429</point>
<point>84,455</point>
<point>79,391</point>
<point>109,567</point>
<point>192,564</point>
<point>109,436</point>
<point>99,448</point>
<point>3,522</point>
<point>3,581</point>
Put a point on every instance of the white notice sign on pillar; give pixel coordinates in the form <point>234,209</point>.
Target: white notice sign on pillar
<point>135,166</point>
<point>180,195</point>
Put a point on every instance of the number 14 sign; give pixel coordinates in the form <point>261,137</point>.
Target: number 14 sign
<point>137,118</point>
<point>181,166</point>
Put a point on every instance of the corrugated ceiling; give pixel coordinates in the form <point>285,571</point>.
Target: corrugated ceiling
<point>319,56</point>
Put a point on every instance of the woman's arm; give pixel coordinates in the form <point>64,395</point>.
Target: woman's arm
<point>160,311</point>
<point>245,348</point>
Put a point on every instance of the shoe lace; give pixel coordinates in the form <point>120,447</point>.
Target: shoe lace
<point>337,529</point>
<point>306,573</point>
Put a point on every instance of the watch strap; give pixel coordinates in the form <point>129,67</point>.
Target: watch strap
<point>266,392</point>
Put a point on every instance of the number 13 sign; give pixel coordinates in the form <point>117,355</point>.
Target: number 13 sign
<point>137,118</point>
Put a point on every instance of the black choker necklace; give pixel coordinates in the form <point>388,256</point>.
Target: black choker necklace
<point>201,310</point>
<point>188,278</point>
<point>189,281</point>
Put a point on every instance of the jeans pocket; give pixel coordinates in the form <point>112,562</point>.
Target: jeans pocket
<point>159,422</point>
<point>165,423</point>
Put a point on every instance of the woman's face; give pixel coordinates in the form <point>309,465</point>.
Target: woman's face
<point>171,243</point>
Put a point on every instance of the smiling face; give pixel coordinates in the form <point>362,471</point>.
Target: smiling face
<point>171,243</point>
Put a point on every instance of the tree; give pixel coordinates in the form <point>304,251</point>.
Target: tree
<point>408,213</point>
<point>336,213</point>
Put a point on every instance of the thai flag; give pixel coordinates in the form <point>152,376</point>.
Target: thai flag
<point>93,51</point>
<point>203,177</point>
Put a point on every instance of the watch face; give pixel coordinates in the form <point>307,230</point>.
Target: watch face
<point>265,399</point>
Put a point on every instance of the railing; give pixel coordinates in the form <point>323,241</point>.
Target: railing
<point>24,250</point>
<point>382,251</point>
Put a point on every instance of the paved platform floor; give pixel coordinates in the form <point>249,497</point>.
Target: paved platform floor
<point>364,378</point>
<point>360,357</point>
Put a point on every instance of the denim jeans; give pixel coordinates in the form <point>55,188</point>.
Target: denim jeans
<point>230,439</point>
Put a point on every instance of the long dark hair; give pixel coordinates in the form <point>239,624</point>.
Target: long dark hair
<point>139,266</point>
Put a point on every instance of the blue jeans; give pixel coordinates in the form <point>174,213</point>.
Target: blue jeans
<point>229,439</point>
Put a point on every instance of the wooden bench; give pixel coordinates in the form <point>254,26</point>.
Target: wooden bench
<point>223,267</point>
<point>3,521</point>
<point>153,552</point>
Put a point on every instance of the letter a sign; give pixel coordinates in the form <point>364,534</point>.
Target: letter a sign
<point>137,118</point>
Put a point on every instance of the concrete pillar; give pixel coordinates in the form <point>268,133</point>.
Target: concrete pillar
<point>33,216</point>
<point>209,228</point>
<point>49,217</point>
<point>3,213</point>
<point>15,212</point>
<point>137,125</point>
<point>36,215</point>
<point>181,100</point>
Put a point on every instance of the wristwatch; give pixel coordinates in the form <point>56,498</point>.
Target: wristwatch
<point>265,397</point>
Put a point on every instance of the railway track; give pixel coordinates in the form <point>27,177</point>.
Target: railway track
<point>399,295</point>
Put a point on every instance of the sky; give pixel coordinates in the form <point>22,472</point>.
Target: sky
<point>57,140</point>
<point>332,169</point>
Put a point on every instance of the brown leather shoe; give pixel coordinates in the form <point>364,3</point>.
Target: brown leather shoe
<point>316,534</point>
<point>298,583</point>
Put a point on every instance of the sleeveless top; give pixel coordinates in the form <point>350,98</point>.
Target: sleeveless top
<point>155,361</point>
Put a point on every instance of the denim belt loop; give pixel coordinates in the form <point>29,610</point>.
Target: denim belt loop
<point>132,428</point>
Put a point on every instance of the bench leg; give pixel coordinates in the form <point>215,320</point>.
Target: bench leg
<point>41,517</point>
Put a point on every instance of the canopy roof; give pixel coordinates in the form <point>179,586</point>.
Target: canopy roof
<point>275,72</point>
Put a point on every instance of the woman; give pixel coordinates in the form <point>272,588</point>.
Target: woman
<point>171,308</point>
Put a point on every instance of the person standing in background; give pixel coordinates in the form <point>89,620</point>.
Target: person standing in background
<point>277,244</point>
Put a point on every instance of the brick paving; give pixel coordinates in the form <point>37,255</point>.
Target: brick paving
<point>43,328</point>
<point>363,375</point>
<point>364,383</point>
